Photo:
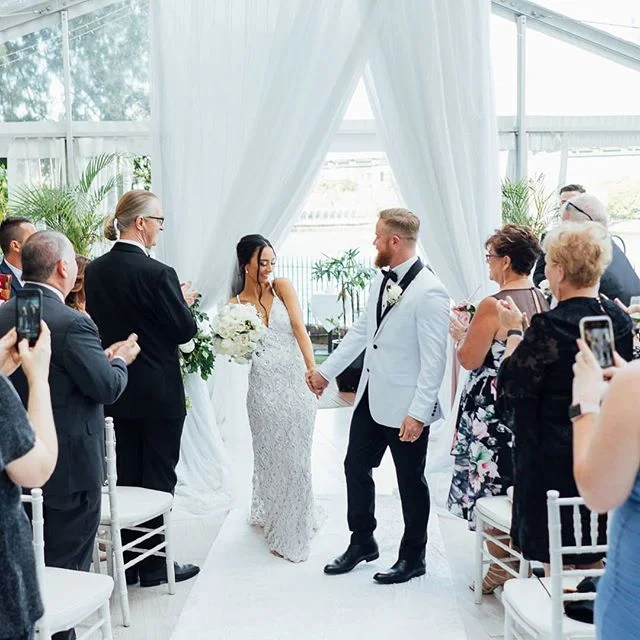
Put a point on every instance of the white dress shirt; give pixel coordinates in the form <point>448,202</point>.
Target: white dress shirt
<point>135,243</point>
<point>16,272</point>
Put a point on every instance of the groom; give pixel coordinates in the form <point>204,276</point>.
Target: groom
<point>403,332</point>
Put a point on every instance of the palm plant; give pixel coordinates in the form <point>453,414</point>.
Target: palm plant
<point>74,210</point>
<point>526,202</point>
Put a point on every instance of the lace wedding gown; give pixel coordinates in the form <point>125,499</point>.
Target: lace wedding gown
<point>281,416</point>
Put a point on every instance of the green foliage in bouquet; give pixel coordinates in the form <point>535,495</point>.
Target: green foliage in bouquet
<point>197,355</point>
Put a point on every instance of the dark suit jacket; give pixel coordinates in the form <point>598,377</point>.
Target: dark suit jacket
<point>15,283</point>
<point>82,380</point>
<point>129,292</point>
<point>618,281</point>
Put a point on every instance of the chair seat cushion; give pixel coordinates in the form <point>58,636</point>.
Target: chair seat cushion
<point>136,505</point>
<point>531,604</point>
<point>495,510</point>
<point>71,596</point>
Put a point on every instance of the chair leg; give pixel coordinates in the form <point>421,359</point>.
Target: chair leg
<point>96,557</point>
<point>477,582</point>
<point>42,629</point>
<point>109,554</point>
<point>509,627</point>
<point>168,537</point>
<point>105,614</point>
<point>120,576</point>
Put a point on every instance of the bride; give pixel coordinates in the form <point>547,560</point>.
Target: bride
<point>281,407</point>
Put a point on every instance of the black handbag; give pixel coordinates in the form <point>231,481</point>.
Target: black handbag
<point>582,610</point>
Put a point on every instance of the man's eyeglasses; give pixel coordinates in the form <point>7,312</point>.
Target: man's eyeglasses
<point>582,211</point>
<point>160,219</point>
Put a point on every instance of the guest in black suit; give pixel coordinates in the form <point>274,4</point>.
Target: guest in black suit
<point>619,280</point>
<point>14,232</point>
<point>82,380</point>
<point>127,291</point>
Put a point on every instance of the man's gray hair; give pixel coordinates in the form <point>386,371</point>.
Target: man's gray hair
<point>586,207</point>
<point>41,253</point>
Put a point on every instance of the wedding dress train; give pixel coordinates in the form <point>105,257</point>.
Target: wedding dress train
<point>281,416</point>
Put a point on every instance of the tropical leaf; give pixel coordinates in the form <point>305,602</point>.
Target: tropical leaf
<point>526,202</point>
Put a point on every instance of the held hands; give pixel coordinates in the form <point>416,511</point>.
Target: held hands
<point>189,294</point>
<point>589,379</point>
<point>127,349</point>
<point>316,382</point>
<point>410,429</point>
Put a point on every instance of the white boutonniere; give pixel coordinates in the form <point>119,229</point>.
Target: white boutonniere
<point>394,293</point>
<point>546,289</point>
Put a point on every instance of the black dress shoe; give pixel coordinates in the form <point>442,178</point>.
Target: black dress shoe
<point>402,571</point>
<point>183,572</point>
<point>354,555</point>
<point>131,576</point>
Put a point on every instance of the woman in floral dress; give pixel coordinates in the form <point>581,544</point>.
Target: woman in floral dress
<point>482,444</point>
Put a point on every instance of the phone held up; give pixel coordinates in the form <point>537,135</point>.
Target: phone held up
<point>597,332</point>
<point>28,314</point>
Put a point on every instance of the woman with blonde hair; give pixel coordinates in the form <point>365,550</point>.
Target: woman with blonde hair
<point>535,378</point>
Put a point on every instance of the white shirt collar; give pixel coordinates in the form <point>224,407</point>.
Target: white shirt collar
<point>48,286</point>
<point>135,243</point>
<point>403,269</point>
<point>16,272</point>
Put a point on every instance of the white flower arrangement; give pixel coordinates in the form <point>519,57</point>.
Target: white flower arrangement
<point>394,293</point>
<point>236,331</point>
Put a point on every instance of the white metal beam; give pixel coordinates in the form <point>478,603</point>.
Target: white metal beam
<point>570,30</point>
<point>45,15</point>
<point>521,116</point>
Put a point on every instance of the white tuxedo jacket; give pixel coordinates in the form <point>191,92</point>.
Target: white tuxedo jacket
<point>405,357</point>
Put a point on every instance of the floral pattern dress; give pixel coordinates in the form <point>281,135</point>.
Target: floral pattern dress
<point>482,445</point>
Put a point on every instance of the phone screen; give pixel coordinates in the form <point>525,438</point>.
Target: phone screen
<point>598,335</point>
<point>28,314</point>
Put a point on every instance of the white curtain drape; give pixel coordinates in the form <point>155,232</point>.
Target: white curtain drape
<point>247,95</point>
<point>35,162</point>
<point>429,84</point>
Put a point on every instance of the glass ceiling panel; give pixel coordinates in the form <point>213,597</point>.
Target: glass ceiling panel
<point>618,17</point>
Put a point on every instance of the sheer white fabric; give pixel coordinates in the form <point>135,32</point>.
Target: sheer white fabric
<point>429,84</point>
<point>240,126</point>
<point>35,162</point>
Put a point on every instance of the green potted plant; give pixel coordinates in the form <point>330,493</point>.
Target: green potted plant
<point>75,210</point>
<point>527,202</point>
<point>351,277</point>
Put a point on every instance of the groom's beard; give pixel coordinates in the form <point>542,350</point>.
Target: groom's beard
<point>383,259</point>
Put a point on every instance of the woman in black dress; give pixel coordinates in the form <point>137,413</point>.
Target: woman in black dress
<point>535,380</point>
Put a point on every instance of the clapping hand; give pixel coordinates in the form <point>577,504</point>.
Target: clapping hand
<point>9,355</point>
<point>316,382</point>
<point>127,349</point>
<point>189,294</point>
<point>457,328</point>
<point>632,308</point>
<point>510,316</point>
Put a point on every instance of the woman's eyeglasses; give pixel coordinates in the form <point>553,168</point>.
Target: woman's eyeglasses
<point>582,211</point>
<point>488,256</point>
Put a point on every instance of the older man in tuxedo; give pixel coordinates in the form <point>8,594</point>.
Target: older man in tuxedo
<point>14,232</point>
<point>82,379</point>
<point>403,332</point>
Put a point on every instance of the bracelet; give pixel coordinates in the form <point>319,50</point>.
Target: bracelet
<point>515,332</point>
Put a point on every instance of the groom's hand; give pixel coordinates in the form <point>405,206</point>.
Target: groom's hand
<point>316,382</point>
<point>410,429</point>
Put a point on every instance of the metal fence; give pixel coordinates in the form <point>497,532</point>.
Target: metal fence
<point>298,270</point>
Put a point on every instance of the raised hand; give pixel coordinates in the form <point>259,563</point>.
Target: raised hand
<point>9,356</point>
<point>189,294</point>
<point>128,349</point>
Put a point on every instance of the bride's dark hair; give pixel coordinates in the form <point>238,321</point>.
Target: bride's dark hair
<point>245,249</point>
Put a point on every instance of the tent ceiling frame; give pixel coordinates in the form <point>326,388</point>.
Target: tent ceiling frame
<point>45,14</point>
<point>570,30</point>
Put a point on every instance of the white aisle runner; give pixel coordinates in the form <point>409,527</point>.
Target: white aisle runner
<point>245,593</point>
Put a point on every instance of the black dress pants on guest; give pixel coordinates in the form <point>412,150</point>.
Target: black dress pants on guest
<point>147,452</point>
<point>368,441</point>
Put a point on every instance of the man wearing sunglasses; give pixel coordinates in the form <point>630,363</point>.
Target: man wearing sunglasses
<point>619,280</point>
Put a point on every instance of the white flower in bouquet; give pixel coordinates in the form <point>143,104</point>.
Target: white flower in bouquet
<point>187,347</point>
<point>237,330</point>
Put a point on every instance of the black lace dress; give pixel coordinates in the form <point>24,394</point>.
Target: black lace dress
<point>534,391</point>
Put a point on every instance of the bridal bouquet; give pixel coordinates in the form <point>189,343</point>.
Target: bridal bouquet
<point>236,331</point>
<point>197,355</point>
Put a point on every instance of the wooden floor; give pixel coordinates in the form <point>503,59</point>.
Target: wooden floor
<point>154,612</point>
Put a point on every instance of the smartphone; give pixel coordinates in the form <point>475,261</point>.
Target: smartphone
<point>5,286</point>
<point>28,314</point>
<point>597,332</point>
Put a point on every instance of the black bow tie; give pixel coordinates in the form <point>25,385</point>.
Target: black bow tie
<point>390,274</point>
